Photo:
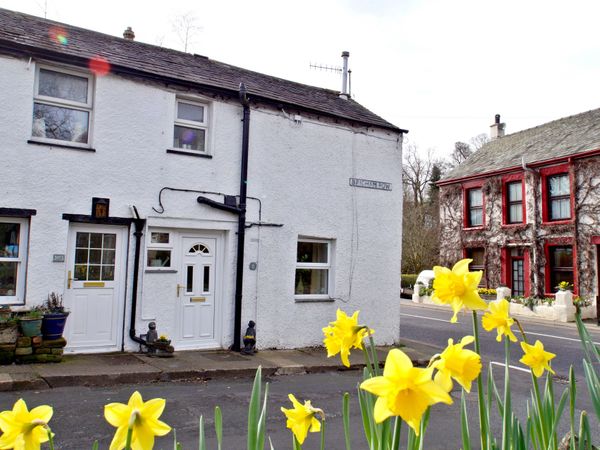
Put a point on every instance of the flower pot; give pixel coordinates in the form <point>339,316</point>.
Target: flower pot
<point>31,327</point>
<point>53,325</point>
<point>8,333</point>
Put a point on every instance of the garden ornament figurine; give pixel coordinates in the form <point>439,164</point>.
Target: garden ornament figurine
<point>152,334</point>
<point>249,339</point>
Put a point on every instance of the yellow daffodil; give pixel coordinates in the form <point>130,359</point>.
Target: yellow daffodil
<point>404,390</point>
<point>141,416</point>
<point>344,334</point>
<point>457,287</point>
<point>536,358</point>
<point>23,429</point>
<point>456,362</point>
<point>497,317</point>
<point>301,419</point>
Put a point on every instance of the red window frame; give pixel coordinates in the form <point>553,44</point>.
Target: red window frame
<point>466,187</point>
<point>562,169</point>
<point>559,242</point>
<point>467,254</point>
<point>506,180</point>
<point>506,268</point>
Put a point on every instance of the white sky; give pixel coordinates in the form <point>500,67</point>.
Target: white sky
<point>440,68</point>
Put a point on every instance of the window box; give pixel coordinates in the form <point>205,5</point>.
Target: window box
<point>313,270</point>
<point>62,107</point>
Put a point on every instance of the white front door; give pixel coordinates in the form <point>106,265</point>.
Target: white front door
<point>196,310</point>
<point>94,291</point>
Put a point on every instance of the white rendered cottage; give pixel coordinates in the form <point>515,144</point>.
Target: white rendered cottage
<point>124,188</point>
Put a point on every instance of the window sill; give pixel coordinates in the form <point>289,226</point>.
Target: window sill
<point>514,225</point>
<point>315,299</point>
<point>149,270</point>
<point>189,153</point>
<point>558,222</point>
<point>481,228</point>
<point>55,144</point>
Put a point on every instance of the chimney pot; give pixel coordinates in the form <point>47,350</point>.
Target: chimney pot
<point>497,129</point>
<point>129,34</point>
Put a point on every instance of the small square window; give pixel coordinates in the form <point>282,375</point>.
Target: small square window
<point>160,251</point>
<point>190,128</point>
<point>313,269</point>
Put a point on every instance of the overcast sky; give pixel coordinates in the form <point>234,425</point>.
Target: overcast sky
<point>441,69</point>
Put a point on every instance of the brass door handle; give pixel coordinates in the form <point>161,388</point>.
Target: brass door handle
<point>69,279</point>
<point>179,287</point>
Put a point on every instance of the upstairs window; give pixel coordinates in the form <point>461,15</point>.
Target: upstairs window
<point>559,197</point>
<point>514,202</point>
<point>474,207</point>
<point>313,267</point>
<point>191,123</point>
<point>62,106</point>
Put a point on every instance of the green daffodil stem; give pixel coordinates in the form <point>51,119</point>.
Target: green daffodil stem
<point>374,355</point>
<point>480,396</point>
<point>540,406</point>
<point>507,413</point>
<point>50,437</point>
<point>521,330</point>
<point>368,360</point>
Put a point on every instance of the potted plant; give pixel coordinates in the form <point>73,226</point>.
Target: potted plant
<point>564,286</point>
<point>31,322</point>
<point>55,317</point>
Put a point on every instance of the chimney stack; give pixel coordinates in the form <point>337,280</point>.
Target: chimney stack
<point>497,129</point>
<point>129,34</point>
<point>345,94</point>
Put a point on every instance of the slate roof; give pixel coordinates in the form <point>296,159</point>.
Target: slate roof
<point>560,138</point>
<point>30,34</point>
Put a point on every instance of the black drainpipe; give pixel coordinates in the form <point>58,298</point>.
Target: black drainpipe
<point>239,277</point>
<point>139,227</point>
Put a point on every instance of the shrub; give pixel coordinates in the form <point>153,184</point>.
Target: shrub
<point>408,280</point>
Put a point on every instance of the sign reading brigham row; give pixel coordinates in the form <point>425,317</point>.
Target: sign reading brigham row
<point>370,184</point>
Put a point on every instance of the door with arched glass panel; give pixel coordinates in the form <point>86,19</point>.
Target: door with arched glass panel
<point>196,294</point>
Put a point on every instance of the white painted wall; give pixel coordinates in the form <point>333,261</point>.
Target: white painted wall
<point>299,171</point>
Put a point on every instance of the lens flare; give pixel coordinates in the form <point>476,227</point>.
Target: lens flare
<point>188,137</point>
<point>99,65</point>
<point>58,35</point>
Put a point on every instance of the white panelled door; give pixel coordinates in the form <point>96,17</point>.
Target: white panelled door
<point>196,294</point>
<point>94,292</point>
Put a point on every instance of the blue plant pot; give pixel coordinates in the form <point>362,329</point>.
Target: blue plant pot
<point>53,325</point>
<point>31,327</point>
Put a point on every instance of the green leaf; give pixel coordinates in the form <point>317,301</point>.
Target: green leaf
<point>219,427</point>
<point>559,411</point>
<point>95,445</point>
<point>346,418</point>
<point>201,437</point>
<point>397,433</point>
<point>254,410</point>
<point>261,428</point>
<point>593,385</point>
<point>464,423</point>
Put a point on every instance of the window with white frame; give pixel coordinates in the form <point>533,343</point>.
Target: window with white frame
<point>13,259</point>
<point>191,123</point>
<point>159,250</point>
<point>313,269</point>
<point>62,106</point>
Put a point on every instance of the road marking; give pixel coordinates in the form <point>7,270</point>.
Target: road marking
<point>558,337</point>
<point>510,366</point>
<point>428,318</point>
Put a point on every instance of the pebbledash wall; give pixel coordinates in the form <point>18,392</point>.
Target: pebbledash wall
<point>299,169</point>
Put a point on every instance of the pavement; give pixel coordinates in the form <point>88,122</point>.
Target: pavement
<point>196,365</point>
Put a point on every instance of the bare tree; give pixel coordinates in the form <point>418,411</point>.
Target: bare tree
<point>461,152</point>
<point>416,173</point>
<point>185,25</point>
<point>479,141</point>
